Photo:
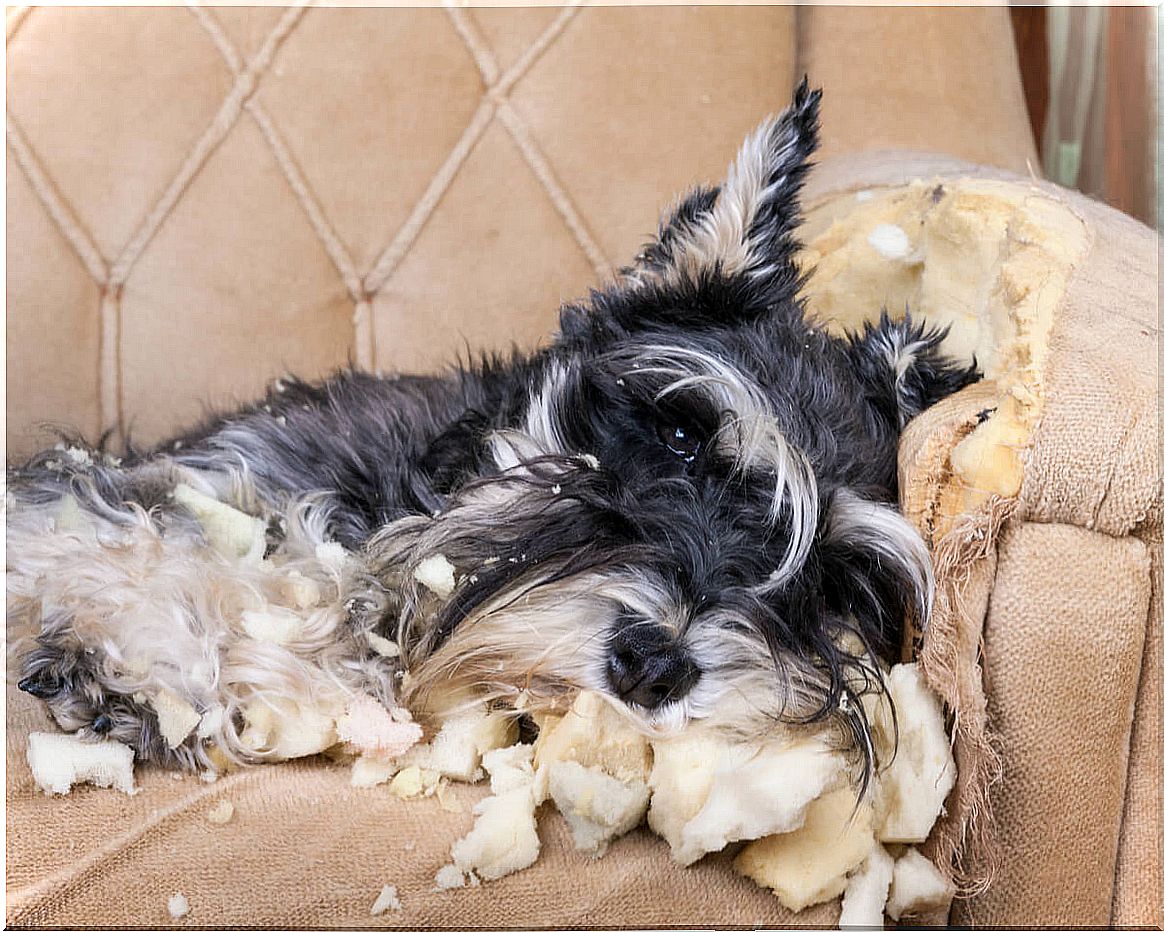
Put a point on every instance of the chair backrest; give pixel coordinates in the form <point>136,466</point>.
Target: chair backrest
<point>201,199</point>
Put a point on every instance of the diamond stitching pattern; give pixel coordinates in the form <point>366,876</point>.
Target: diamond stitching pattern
<point>110,275</point>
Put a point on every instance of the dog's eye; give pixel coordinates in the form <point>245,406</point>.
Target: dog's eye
<point>681,440</point>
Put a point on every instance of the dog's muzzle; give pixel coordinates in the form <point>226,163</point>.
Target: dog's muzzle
<point>647,668</point>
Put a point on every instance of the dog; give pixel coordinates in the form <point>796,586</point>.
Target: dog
<point>685,502</point>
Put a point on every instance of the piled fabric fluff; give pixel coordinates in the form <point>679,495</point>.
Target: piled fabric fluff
<point>231,633</point>
<point>790,799</point>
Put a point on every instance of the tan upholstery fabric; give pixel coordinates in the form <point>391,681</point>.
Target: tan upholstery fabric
<point>386,185</point>
<point>306,849</point>
<point>896,80</point>
<point>393,185</point>
<point>1063,664</point>
<point>1111,483</point>
<point>1137,899</point>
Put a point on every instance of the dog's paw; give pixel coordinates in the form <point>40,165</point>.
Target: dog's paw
<point>71,681</point>
<point>904,366</point>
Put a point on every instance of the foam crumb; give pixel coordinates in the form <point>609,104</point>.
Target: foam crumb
<point>79,456</point>
<point>597,807</point>
<point>233,533</point>
<point>449,877</point>
<point>867,891</point>
<point>437,575</point>
<point>709,792</point>
<point>509,768</point>
<point>812,864</point>
<point>918,886</point>
<point>504,837</point>
<point>178,905</point>
<point>414,781</point>
<point>383,646</point>
<point>222,813</point>
<point>287,729</point>
<point>463,737</point>
<point>176,717</point>
<point>211,722</point>
<point>370,728</point>
<point>276,625</point>
<point>595,735</point>
<point>889,240</point>
<point>370,770</point>
<point>60,761</point>
<point>386,900</point>
<point>921,773</point>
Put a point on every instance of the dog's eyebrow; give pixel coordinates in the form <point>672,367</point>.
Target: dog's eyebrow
<point>749,434</point>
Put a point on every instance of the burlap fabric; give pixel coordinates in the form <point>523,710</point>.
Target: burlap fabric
<point>1045,640</point>
<point>1076,810</point>
<point>305,849</point>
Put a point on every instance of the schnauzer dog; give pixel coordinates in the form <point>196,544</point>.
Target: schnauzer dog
<point>685,502</point>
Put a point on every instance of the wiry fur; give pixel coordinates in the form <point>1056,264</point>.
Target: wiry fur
<point>685,502</point>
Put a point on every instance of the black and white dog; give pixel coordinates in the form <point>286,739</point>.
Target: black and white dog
<point>685,502</point>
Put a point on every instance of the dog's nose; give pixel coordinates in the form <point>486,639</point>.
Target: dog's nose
<point>647,668</point>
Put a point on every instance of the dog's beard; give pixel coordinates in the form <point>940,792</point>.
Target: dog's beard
<point>542,629</point>
<point>537,603</point>
<point>544,582</point>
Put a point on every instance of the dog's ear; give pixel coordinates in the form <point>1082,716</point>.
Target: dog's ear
<point>874,568</point>
<point>746,226</point>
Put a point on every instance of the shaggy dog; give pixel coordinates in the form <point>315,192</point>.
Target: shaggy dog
<point>685,502</point>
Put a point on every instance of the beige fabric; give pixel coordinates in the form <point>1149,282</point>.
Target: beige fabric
<point>444,182</point>
<point>1104,369</point>
<point>306,849</point>
<point>1062,663</point>
<point>896,81</point>
<point>1137,899</point>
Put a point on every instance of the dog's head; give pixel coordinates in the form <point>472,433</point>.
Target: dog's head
<point>688,512</point>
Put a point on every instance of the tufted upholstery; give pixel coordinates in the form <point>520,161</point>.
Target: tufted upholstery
<point>199,199</point>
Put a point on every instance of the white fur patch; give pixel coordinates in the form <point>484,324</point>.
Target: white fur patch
<point>882,529</point>
<point>723,237</point>
<point>208,637</point>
